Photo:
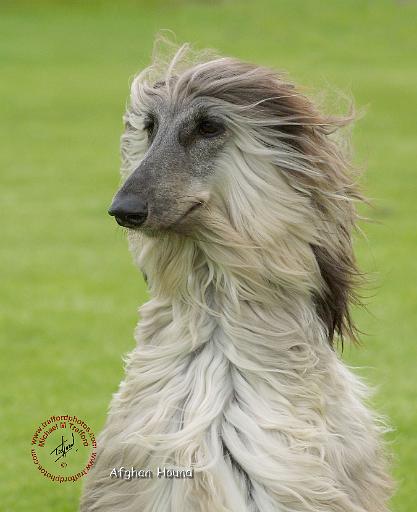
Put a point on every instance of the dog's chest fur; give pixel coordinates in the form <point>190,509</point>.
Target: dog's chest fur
<point>281,428</point>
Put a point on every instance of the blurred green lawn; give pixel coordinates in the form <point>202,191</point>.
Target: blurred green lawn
<point>69,290</point>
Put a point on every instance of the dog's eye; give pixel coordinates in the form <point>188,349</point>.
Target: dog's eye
<point>209,128</point>
<point>149,126</point>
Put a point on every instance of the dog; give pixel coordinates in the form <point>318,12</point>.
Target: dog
<point>239,201</point>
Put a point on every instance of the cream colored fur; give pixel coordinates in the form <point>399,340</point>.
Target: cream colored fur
<point>233,373</point>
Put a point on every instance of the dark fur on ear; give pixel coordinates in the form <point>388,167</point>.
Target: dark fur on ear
<point>333,304</point>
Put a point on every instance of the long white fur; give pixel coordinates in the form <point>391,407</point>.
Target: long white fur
<point>231,353</point>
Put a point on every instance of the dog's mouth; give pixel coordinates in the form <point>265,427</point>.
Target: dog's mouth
<point>190,210</point>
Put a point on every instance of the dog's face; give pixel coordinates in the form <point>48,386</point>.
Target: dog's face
<point>172,181</point>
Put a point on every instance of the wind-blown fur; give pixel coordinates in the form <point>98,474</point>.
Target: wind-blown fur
<point>234,373</point>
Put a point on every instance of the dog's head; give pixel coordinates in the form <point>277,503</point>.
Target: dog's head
<point>233,153</point>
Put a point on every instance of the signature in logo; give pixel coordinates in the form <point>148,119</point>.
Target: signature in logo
<point>62,449</point>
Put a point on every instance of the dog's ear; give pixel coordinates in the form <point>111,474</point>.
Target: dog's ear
<point>325,176</point>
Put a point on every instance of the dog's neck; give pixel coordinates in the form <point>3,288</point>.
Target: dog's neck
<point>204,288</point>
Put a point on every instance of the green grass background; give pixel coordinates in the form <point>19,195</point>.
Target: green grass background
<point>69,291</point>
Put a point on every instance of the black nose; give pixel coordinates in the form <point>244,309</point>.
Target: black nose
<point>128,210</point>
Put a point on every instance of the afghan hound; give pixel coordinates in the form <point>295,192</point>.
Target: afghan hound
<point>239,201</point>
